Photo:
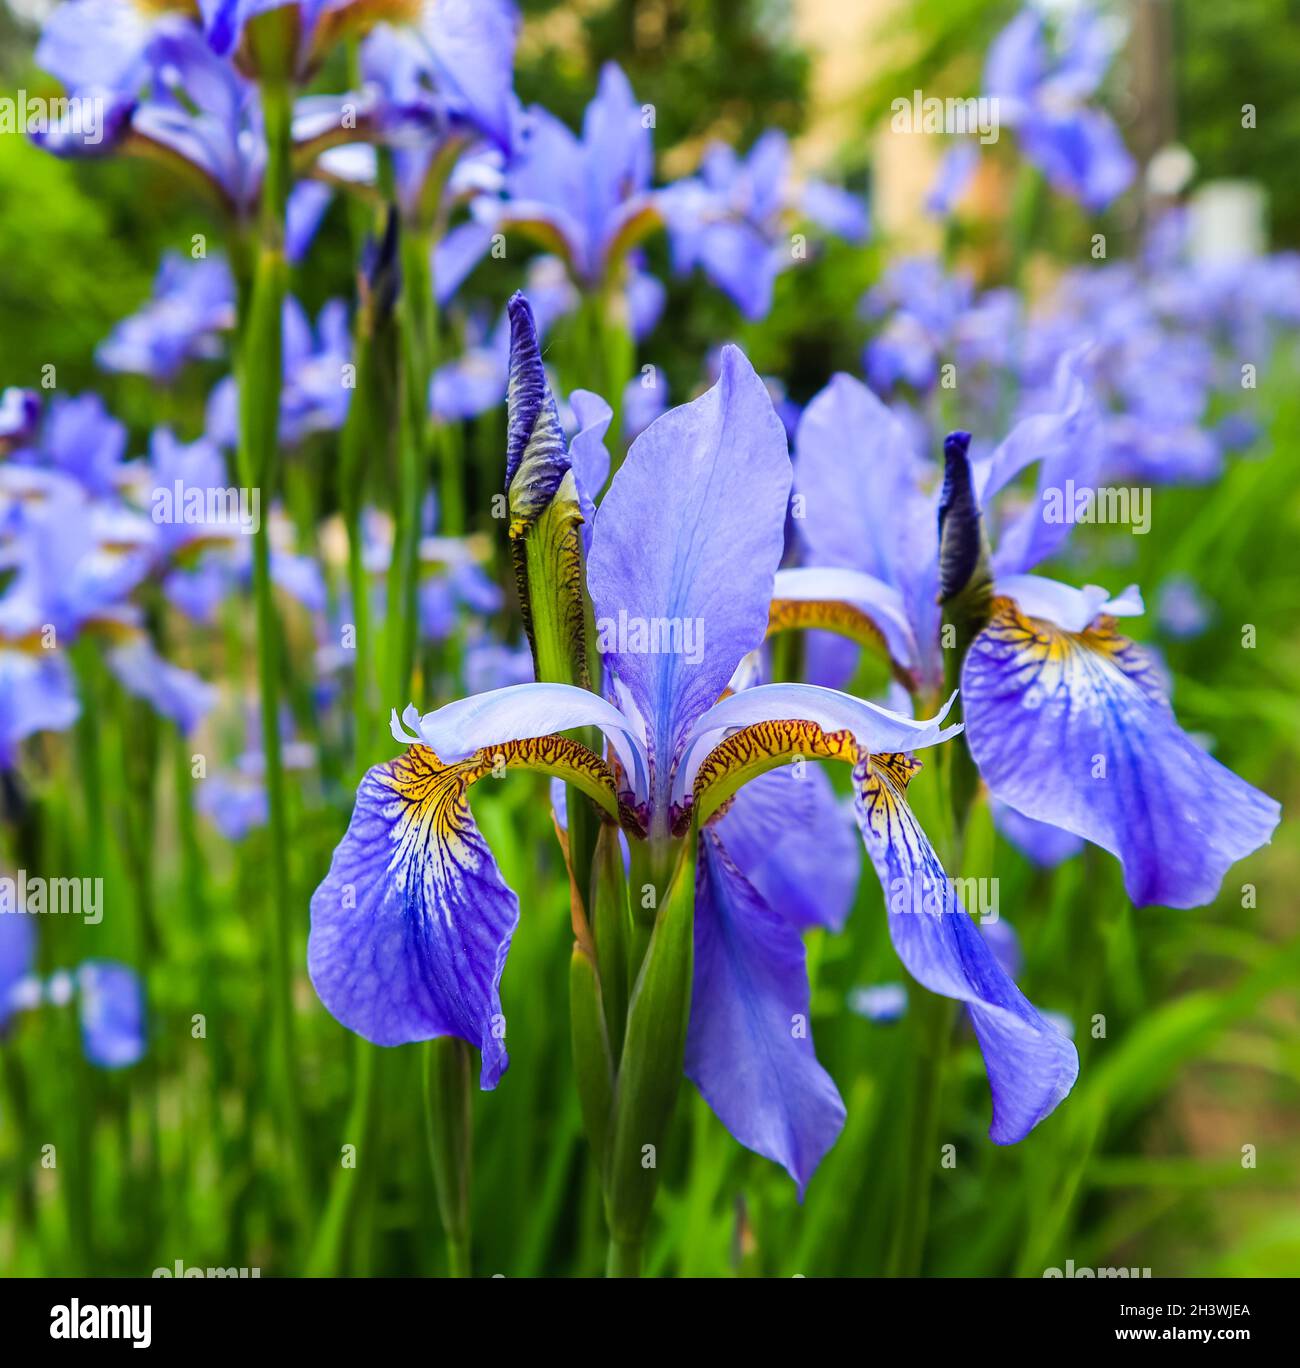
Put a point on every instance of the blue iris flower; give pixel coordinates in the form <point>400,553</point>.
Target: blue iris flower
<point>1067,720</point>
<point>75,561</point>
<point>734,218</point>
<point>109,995</point>
<point>587,199</point>
<point>412,926</point>
<point>1044,96</point>
<point>192,305</point>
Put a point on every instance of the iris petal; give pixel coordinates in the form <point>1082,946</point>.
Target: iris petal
<point>789,836</point>
<point>688,537</point>
<point>1074,729</point>
<point>748,1047</point>
<point>519,712</point>
<point>111,1007</point>
<point>1030,1065</point>
<point>411,927</point>
<point>774,722</point>
<point>813,597</point>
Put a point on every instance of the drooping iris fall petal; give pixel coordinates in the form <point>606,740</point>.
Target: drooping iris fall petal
<point>749,1047</point>
<point>1073,728</point>
<point>1030,1065</point>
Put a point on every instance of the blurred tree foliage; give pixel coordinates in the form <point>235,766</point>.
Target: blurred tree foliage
<point>1227,56</point>
<point>726,68</point>
<point>80,241</point>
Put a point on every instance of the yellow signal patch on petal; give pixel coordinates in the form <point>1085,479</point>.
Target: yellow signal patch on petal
<point>762,746</point>
<point>1050,651</point>
<point>844,619</point>
<point>421,778</point>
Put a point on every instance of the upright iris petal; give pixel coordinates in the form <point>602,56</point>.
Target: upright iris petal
<point>684,550</point>
<point>1073,728</point>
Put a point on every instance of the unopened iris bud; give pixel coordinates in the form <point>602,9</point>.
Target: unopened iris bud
<point>963,550</point>
<point>545,517</point>
<point>965,590</point>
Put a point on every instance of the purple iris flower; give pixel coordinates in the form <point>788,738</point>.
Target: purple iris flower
<point>20,413</point>
<point>930,317</point>
<point>1182,609</point>
<point>1068,721</point>
<point>192,304</point>
<point>412,925</point>
<point>17,959</point>
<point>1044,844</point>
<point>111,1007</point>
<point>881,1003</point>
<point>439,89</point>
<point>317,370</point>
<point>77,437</point>
<point>956,170</point>
<point>734,218</point>
<point>76,563</point>
<point>586,199</point>
<point>1044,97</point>
<point>161,90</point>
<point>234,798</point>
<point>1153,378</point>
<point>110,997</point>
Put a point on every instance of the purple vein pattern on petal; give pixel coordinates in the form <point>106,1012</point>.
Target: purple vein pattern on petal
<point>690,533</point>
<point>410,929</point>
<point>1030,1065</point>
<point>748,1047</point>
<point>1074,729</point>
<point>788,834</point>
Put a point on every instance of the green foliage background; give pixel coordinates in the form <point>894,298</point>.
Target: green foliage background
<point>1201,1051</point>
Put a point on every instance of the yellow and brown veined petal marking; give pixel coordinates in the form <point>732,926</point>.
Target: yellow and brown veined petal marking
<point>419,776</point>
<point>843,619</point>
<point>852,605</point>
<point>1045,653</point>
<point>760,747</point>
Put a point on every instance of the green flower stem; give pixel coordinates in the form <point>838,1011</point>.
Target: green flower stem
<point>624,1259</point>
<point>359,434</point>
<point>323,1261</point>
<point>612,929</point>
<point>417,326</point>
<point>649,1075</point>
<point>450,1129</point>
<point>933,1018</point>
<point>260,379</point>
<point>194,881</point>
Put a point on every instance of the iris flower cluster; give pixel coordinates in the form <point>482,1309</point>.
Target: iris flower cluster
<point>412,926</point>
<point>661,556</point>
